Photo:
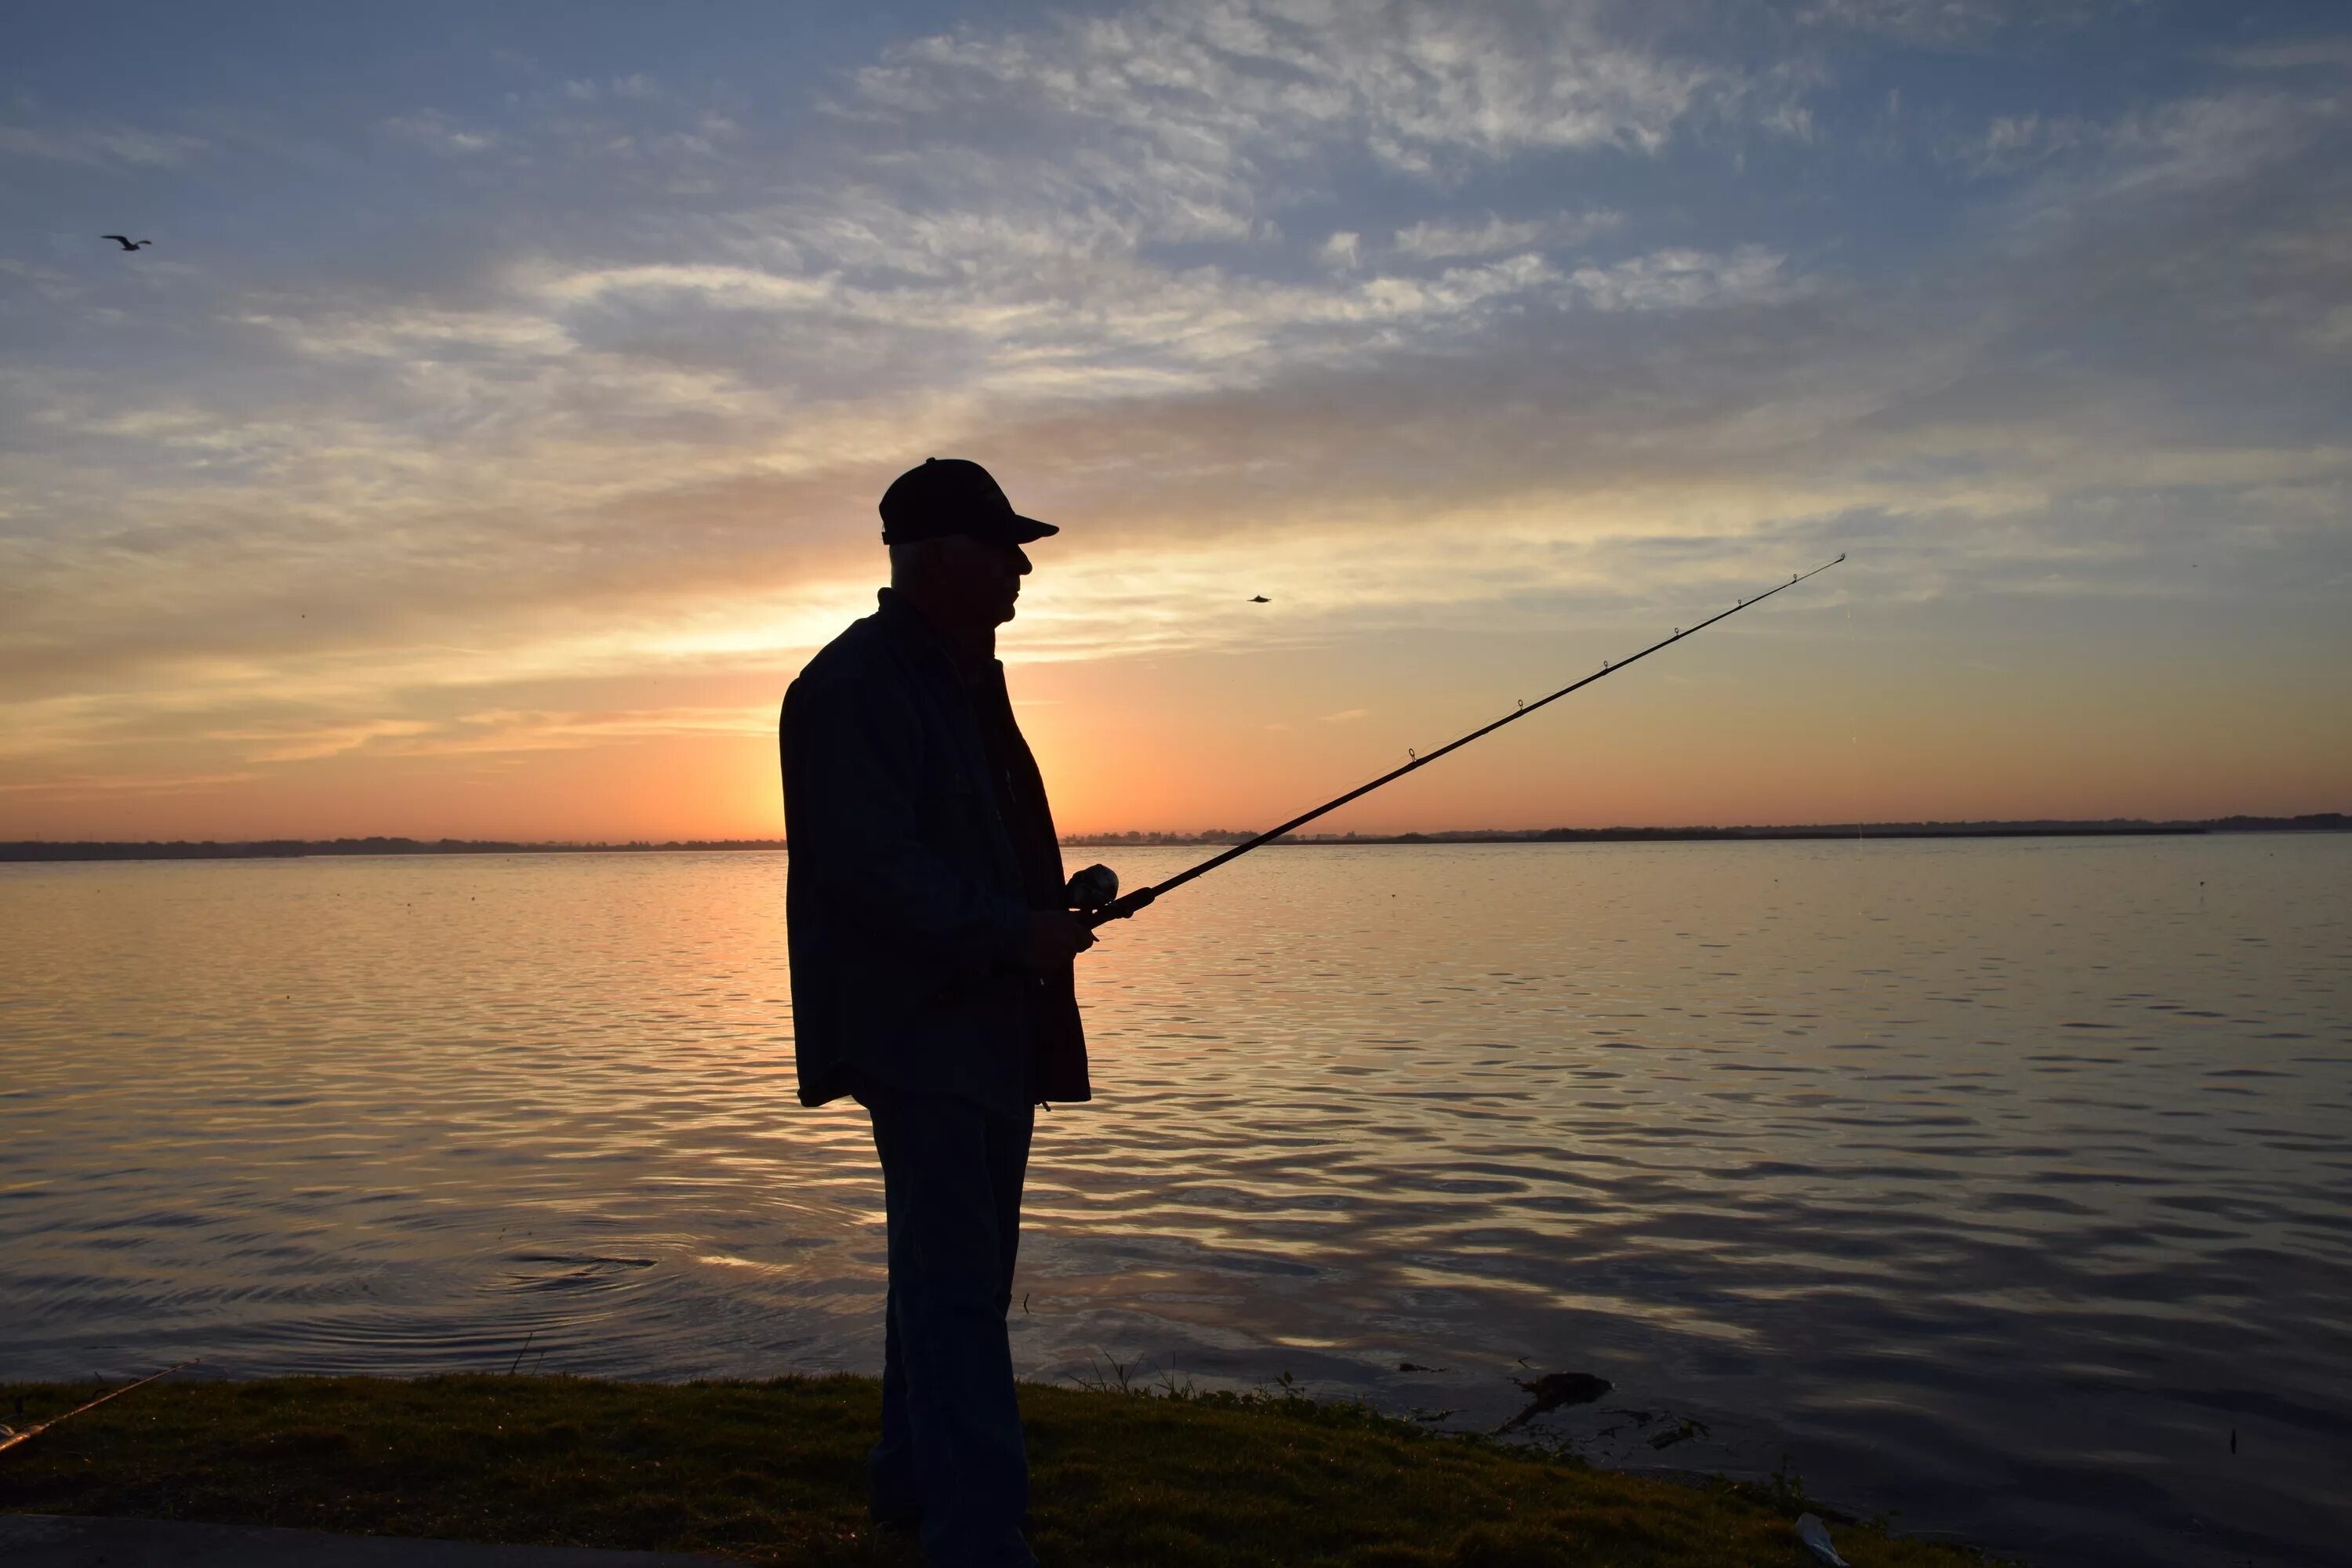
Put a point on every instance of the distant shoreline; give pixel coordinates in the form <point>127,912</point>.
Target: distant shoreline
<point>294,849</point>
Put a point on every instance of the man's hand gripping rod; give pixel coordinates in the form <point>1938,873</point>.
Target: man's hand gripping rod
<point>1119,909</point>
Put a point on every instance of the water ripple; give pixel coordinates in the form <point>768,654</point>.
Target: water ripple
<point>1995,1181</point>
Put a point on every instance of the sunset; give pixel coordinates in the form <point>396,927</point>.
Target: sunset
<point>1207,782</point>
<point>495,423</point>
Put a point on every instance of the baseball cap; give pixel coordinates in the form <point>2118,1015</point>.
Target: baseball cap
<point>953,495</point>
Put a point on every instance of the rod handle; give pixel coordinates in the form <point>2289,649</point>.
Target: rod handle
<point>1120,907</point>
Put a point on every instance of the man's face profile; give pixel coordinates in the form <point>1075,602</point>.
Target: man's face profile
<point>982,575</point>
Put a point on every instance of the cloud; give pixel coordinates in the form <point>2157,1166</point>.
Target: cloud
<point>2300,54</point>
<point>1955,23</point>
<point>1111,323</point>
<point>1035,284</point>
<point>636,86</point>
<point>2178,148</point>
<point>2014,141</point>
<point>1686,279</point>
<point>1431,241</point>
<point>2206,140</point>
<point>437,133</point>
<point>1428,241</point>
<point>331,740</point>
<point>73,786</point>
<point>1345,302</point>
<point>98,147</point>
<point>1202,108</point>
<point>514,731</point>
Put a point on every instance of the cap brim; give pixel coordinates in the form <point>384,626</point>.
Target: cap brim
<point>1027,528</point>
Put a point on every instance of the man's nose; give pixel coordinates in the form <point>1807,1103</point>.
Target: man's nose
<point>1021,560</point>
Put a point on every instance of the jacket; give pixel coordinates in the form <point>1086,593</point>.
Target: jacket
<point>905,899</point>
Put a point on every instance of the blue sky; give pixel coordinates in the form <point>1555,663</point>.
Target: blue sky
<point>496,422</point>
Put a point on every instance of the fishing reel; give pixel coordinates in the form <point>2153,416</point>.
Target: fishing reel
<point>1095,892</point>
<point>1092,888</point>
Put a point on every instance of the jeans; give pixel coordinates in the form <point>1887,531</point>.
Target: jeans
<point>952,1445</point>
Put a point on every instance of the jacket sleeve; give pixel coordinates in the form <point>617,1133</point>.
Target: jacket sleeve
<point>848,758</point>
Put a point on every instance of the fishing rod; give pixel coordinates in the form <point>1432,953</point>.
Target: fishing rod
<point>12,1438</point>
<point>1120,907</point>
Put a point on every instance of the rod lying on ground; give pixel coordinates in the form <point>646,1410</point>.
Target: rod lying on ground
<point>29,1433</point>
<point>1119,909</point>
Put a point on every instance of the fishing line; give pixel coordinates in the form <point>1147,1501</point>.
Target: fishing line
<point>29,1433</point>
<point>1120,907</point>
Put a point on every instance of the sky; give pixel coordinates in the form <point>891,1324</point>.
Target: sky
<point>495,423</point>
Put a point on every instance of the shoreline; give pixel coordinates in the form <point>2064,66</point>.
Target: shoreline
<point>774,1471</point>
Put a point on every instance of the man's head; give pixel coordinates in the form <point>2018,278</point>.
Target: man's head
<point>970,583</point>
<point>955,543</point>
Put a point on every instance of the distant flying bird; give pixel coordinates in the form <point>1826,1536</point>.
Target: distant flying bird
<point>126,243</point>
<point>1261,599</point>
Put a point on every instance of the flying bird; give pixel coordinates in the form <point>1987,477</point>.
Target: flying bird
<point>127,244</point>
<point>1261,599</point>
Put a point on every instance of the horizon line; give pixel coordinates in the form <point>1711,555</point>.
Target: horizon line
<point>2323,821</point>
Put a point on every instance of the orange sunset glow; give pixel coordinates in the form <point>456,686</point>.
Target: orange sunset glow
<point>503,487</point>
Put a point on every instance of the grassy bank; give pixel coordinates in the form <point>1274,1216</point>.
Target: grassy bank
<point>775,1471</point>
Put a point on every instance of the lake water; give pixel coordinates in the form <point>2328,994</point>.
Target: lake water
<point>1993,1181</point>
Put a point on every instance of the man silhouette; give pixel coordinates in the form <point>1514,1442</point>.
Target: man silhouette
<point>932,946</point>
